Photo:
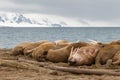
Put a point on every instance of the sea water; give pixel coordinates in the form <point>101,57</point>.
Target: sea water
<point>9,36</point>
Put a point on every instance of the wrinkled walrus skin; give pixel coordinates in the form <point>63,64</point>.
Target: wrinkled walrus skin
<point>117,42</point>
<point>28,49</point>
<point>59,55</point>
<point>62,54</point>
<point>19,49</point>
<point>39,53</point>
<point>108,52</point>
<point>84,55</point>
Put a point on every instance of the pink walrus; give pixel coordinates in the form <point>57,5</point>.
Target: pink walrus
<point>84,55</point>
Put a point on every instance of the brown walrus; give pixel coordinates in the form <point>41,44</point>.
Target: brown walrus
<point>62,54</point>
<point>28,48</point>
<point>58,55</point>
<point>20,48</point>
<point>116,42</point>
<point>108,53</point>
<point>84,55</point>
<point>39,53</point>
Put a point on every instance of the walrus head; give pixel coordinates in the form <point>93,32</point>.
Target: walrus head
<point>84,55</point>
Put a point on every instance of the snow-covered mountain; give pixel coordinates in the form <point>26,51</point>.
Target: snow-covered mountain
<point>36,20</point>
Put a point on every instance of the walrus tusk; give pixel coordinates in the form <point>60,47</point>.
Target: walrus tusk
<point>78,41</point>
<point>71,53</point>
<point>92,41</point>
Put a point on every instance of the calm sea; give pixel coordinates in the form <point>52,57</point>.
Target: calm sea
<point>9,37</point>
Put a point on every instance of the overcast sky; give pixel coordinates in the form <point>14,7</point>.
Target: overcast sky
<point>93,10</point>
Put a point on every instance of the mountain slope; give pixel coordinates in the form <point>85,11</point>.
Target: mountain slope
<point>36,20</point>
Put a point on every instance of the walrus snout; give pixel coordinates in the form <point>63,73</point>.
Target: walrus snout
<point>72,61</point>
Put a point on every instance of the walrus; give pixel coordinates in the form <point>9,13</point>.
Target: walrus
<point>51,51</point>
<point>39,53</point>
<point>116,42</point>
<point>107,54</point>
<point>28,48</point>
<point>84,55</point>
<point>59,55</point>
<point>19,49</point>
<point>62,54</point>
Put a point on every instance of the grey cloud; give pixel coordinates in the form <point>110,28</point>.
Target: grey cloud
<point>100,10</point>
